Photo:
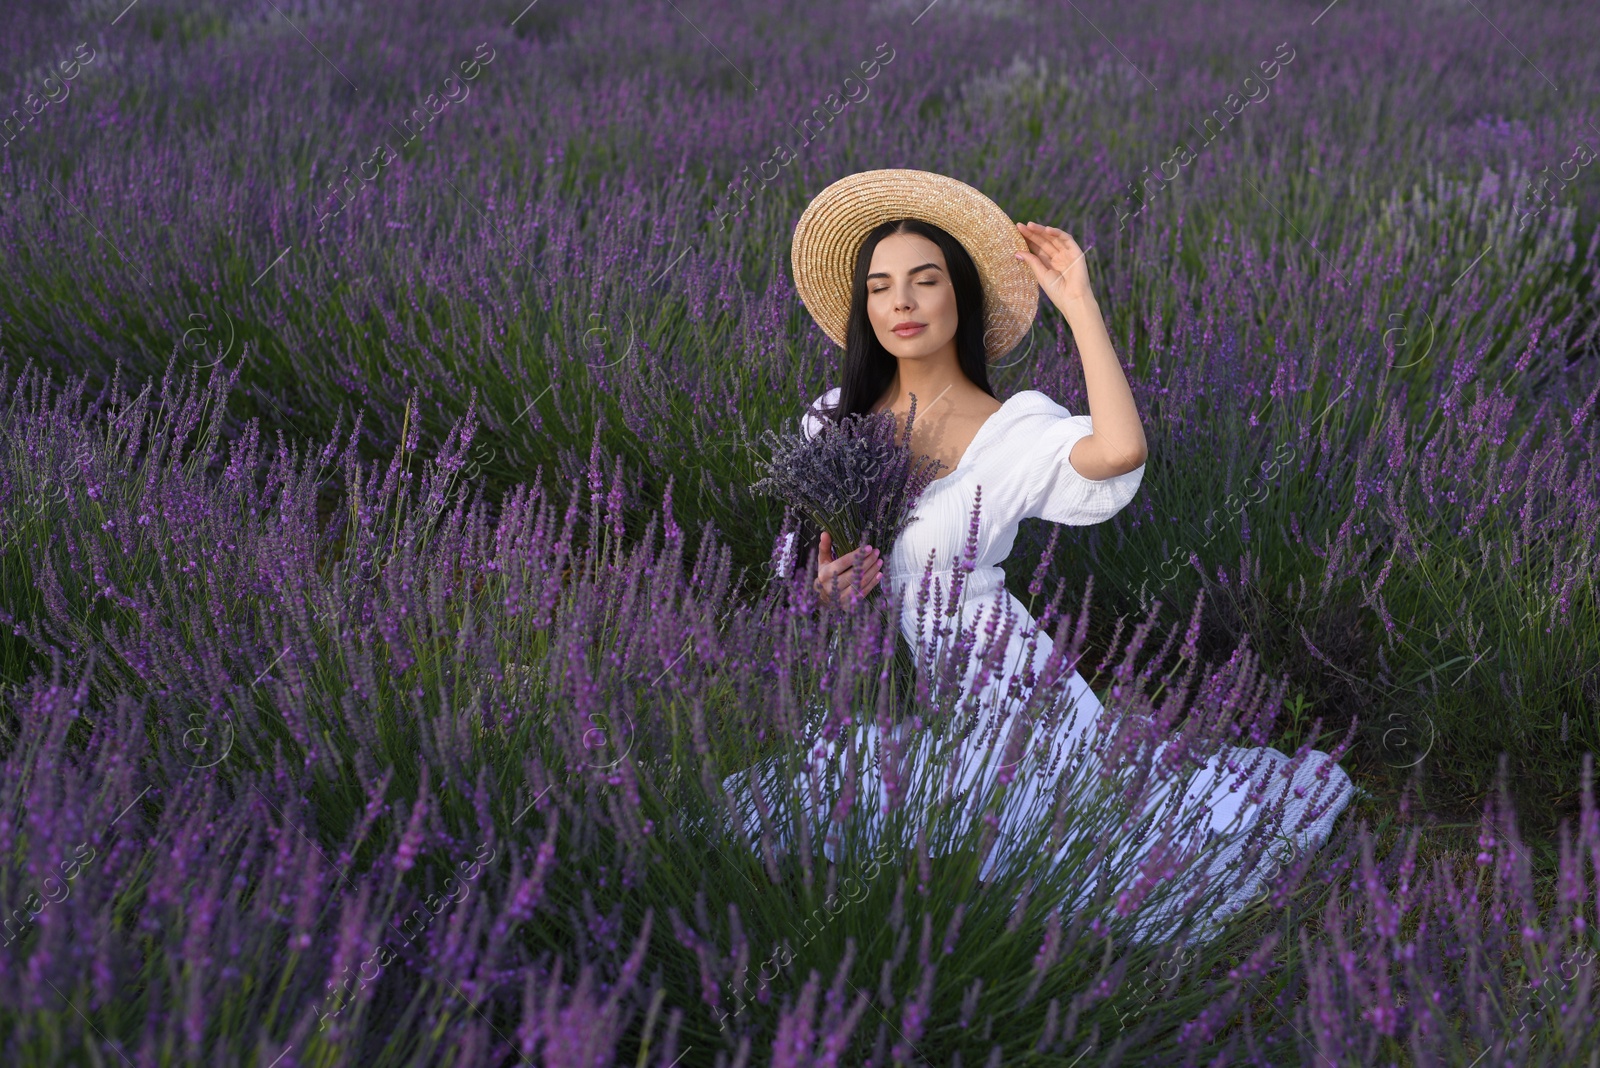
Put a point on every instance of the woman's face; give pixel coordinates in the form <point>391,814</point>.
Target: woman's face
<point>908,282</point>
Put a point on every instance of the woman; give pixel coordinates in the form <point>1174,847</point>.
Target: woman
<point>922,280</point>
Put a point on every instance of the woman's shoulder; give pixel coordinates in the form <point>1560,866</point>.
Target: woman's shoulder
<point>828,399</point>
<point>1028,424</point>
<point>1033,401</point>
<point>1026,412</point>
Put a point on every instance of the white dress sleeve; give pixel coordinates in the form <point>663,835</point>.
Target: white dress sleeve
<point>1052,488</point>
<point>810,425</point>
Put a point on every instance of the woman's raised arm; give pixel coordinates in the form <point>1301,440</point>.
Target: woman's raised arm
<point>1118,445</point>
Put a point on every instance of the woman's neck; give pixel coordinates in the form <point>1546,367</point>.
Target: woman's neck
<point>932,381</point>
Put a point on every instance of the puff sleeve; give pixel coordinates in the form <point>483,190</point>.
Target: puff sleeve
<point>1052,488</point>
<point>810,425</point>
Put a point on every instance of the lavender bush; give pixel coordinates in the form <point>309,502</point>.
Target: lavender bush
<point>343,630</point>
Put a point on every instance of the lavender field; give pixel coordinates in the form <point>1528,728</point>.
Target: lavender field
<point>386,599</point>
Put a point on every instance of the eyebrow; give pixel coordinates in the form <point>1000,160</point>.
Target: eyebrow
<point>914,270</point>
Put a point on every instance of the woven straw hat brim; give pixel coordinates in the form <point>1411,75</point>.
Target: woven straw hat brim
<point>831,229</point>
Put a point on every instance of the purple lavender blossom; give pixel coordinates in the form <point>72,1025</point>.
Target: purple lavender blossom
<point>852,478</point>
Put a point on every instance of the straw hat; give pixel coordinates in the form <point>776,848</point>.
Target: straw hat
<point>830,231</point>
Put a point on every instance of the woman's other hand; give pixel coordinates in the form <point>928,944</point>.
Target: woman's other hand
<point>849,578</point>
<point>1057,263</point>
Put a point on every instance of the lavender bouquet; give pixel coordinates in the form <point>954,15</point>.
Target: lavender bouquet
<point>852,478</point>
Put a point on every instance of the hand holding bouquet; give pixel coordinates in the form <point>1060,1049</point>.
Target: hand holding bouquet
<point>852,478</point>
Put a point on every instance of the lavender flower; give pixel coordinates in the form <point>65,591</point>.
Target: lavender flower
<point>852,478</point>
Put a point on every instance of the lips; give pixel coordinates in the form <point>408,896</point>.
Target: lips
<point>910,329</point>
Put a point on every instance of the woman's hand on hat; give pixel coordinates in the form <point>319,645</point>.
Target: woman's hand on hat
<point>1058,263</point>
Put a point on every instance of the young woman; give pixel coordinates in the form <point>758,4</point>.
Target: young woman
<point>923,280</point>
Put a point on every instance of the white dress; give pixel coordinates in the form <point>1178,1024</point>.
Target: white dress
<point>1019,458</point>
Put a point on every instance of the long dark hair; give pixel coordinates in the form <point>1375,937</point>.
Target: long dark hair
<point>869,368</point>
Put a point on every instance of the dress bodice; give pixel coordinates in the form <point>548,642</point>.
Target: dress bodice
<point>1015,468</point>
